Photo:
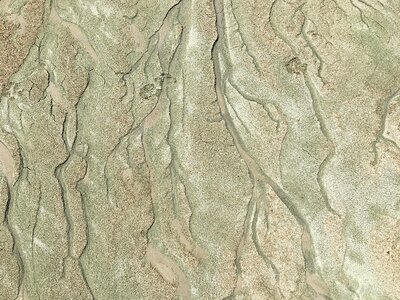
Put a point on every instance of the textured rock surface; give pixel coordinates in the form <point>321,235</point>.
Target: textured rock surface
<point>197,149</point>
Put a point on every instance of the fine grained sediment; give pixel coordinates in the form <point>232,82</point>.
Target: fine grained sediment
<point>187,149</point>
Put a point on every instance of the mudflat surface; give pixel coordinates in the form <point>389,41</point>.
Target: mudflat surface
<point>197,149</point>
